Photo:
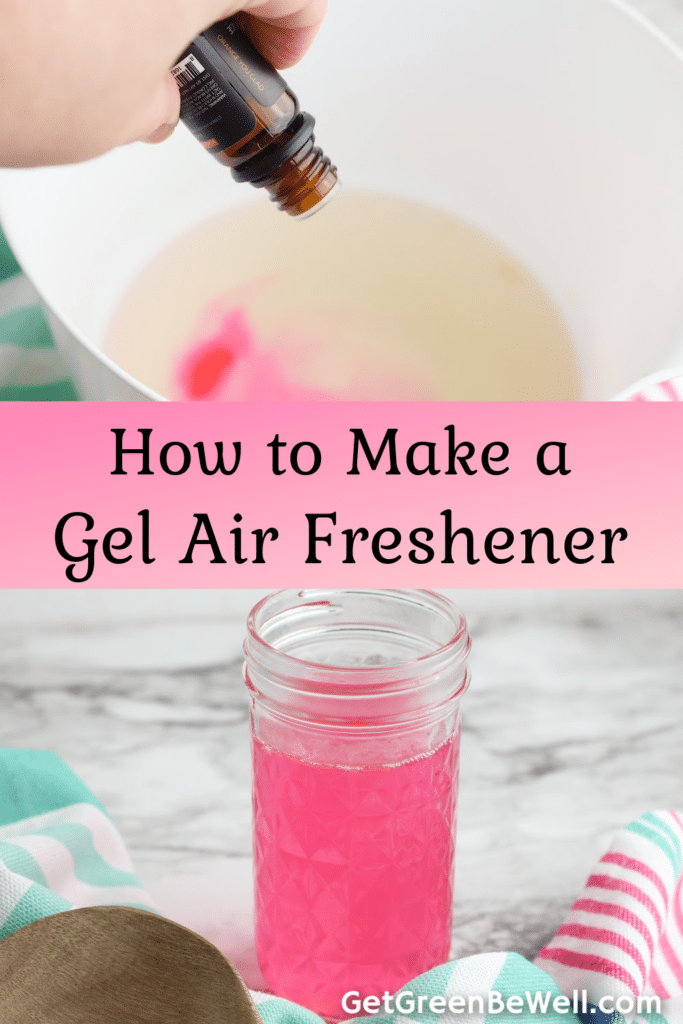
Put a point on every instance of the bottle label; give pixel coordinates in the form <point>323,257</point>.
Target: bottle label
<point>220,75</point>
<point>213,111</point>
<point>250,73</point>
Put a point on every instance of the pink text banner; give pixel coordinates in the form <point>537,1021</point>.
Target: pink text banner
<point>274,495</point>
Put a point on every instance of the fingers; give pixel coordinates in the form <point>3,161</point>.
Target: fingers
<point>283,30</point>
<point>157,120</point>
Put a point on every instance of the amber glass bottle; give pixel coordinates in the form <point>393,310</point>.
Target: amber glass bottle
<point>242,111</point>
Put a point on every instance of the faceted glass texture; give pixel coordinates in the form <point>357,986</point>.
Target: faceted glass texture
<point>354,872</point>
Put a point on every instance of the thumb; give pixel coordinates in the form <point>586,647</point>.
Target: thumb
<point>156,121</point>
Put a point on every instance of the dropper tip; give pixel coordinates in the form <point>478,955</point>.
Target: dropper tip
<point>323,201</point>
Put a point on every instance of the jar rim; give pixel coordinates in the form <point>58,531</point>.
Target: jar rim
<point>457,645</point>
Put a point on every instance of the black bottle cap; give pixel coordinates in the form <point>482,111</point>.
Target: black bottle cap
<point>263,164</point>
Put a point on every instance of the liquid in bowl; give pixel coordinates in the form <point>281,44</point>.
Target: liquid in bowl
<point>375,298</point>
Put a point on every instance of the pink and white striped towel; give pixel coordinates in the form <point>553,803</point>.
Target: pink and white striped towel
<point>624,935</point>
<point>665,386</point>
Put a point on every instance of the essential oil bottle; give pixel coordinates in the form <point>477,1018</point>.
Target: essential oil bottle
<point>244,114</point>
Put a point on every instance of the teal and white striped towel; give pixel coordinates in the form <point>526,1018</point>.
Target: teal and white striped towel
<point>60,850</point>
<point>31,368</point>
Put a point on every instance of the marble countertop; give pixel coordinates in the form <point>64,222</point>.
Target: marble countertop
<point>573,725</point>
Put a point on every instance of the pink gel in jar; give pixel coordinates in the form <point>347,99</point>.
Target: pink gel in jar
<point>355,739</point>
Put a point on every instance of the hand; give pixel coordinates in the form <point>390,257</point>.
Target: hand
<point>79,77</point>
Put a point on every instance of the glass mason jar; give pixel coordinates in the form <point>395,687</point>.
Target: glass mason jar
<point>355,739</point>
